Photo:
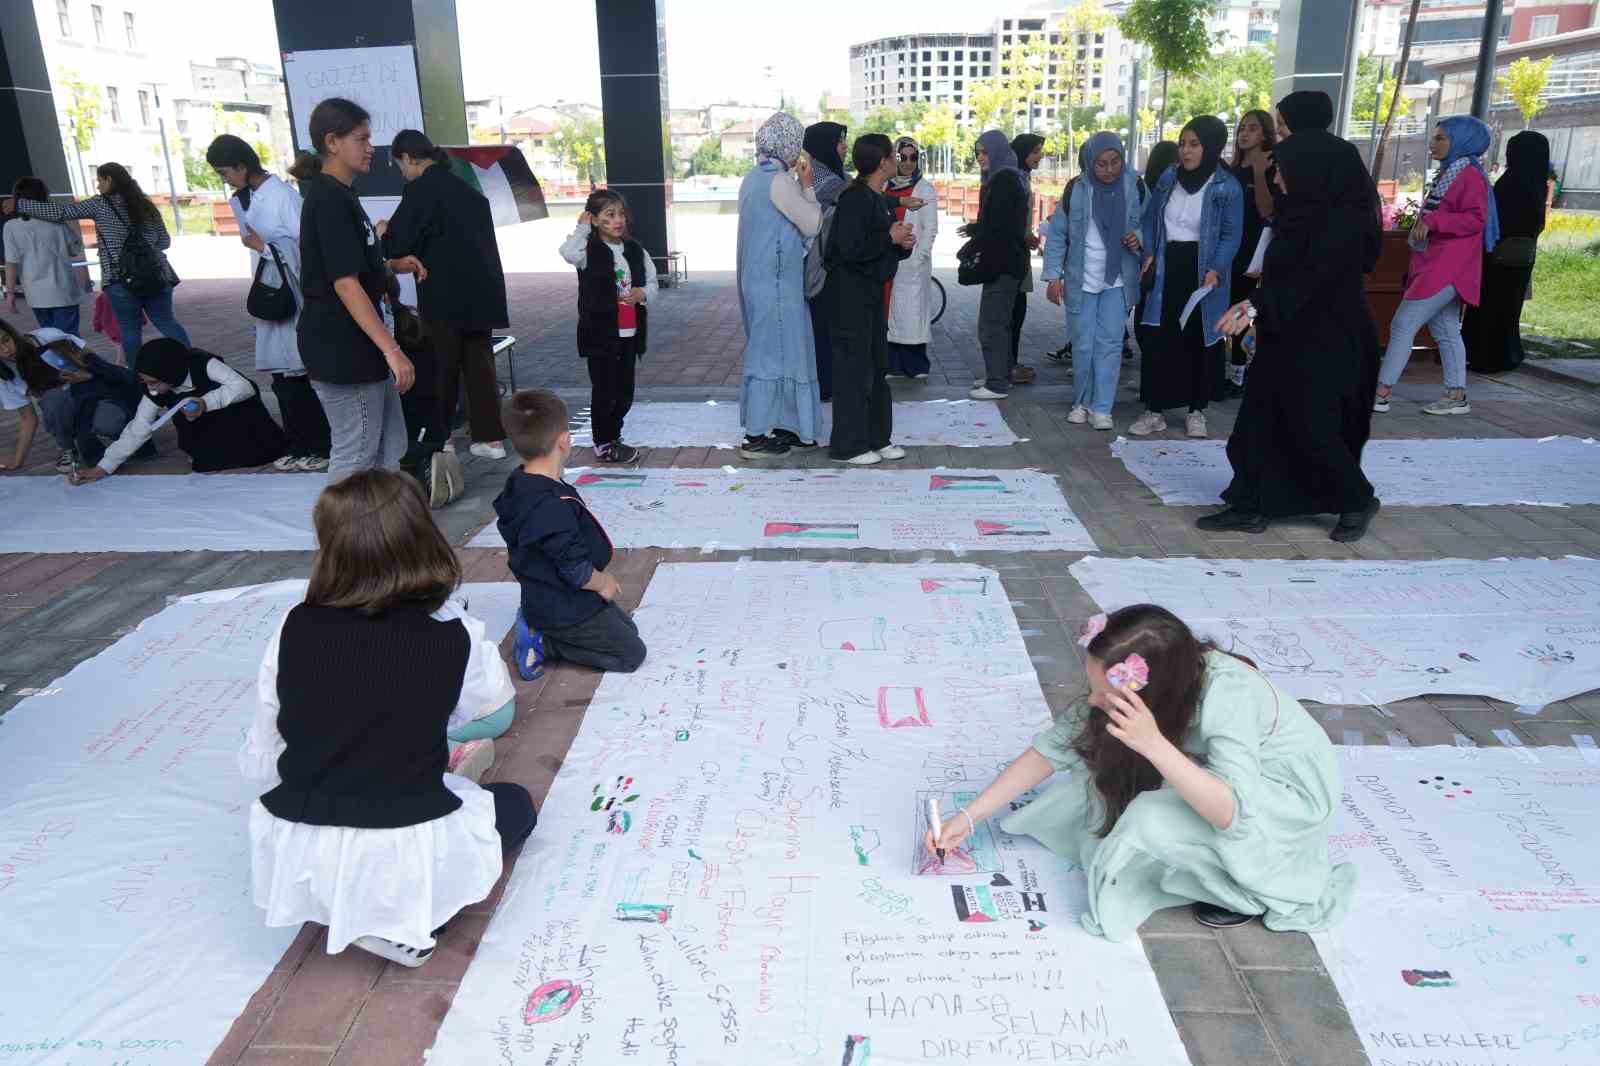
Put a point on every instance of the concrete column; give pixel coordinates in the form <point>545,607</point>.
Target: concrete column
<point>633,93</point>
<point>1316,50</point>
<point>28,126</point>
<point>305,25</point>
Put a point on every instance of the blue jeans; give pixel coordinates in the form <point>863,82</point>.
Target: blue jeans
<point>131,311</point>
<point>63,318</point>
<point>1097,349</point>
<point>1441,313</point>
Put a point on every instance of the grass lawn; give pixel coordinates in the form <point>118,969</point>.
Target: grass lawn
<point>1566,301</point>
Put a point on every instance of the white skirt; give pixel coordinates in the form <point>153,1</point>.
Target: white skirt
<point>399,884</point>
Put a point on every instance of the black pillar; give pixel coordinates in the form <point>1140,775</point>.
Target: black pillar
<point>305,25</point>
<point>1316,50</point>
<point>28,127</point>
<point>633,92</point>
<point>1483,86</point>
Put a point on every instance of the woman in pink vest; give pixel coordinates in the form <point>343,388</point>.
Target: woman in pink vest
<point>1457,225</point>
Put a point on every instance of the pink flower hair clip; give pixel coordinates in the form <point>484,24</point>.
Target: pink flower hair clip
<point>1132,673</point>
<point>1091,629</point>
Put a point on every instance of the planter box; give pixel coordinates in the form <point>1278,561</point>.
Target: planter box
<point>1385,287</point>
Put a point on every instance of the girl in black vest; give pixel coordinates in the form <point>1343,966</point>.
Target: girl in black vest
<point>222,424</point>
<point>362,828</point>
<point>614,275</point>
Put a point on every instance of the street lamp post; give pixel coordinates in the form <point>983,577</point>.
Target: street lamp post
<point>166,154</point>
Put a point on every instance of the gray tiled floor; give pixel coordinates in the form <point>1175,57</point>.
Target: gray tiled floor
<point>1240,998</point>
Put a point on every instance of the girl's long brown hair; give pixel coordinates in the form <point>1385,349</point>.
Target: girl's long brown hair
<point>1177,670</point>
<point>378,547</point>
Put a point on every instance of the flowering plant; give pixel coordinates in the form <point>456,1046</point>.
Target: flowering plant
<point>1132,673</point>
<point>1406,214</point>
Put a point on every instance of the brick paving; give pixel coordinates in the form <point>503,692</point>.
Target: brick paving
<point>1240,997</point>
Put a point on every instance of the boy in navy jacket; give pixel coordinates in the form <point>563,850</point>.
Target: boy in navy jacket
<point>558,551</point>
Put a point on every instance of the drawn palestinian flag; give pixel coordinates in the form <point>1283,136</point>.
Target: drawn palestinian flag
<point>501,173</point>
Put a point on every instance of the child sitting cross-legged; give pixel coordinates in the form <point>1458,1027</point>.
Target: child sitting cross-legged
<point>364,828</point>
<point>559,551</point>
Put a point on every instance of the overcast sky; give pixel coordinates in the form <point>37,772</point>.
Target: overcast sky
<point>717,49</point>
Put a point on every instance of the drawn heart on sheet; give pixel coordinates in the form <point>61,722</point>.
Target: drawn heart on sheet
<point>999,881</point>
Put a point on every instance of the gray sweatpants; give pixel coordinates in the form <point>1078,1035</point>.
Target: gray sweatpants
<point>994,331</point>
<point>367,427</point>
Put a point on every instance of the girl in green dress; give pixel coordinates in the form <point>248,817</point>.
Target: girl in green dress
<point>1186,777</point>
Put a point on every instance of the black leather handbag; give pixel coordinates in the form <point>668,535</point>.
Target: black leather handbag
<point>267,302</point>
<point>980,261</point>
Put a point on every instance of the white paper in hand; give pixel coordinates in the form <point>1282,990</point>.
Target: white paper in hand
<point>1194,301</point>
<point>1260,255</point>
<point>167,416</point>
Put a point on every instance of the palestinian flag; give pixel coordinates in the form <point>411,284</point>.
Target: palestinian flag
<point>500,172</point>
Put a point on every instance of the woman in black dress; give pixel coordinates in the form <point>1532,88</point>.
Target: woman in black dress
<point>1296,445</point>
<point>1492,329</point>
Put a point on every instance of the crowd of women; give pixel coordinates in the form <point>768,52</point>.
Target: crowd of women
<point>359,382</point>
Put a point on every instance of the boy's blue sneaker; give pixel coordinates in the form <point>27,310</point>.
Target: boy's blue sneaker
<point>529,650</point>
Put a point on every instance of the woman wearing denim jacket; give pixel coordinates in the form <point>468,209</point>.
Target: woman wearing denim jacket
<point>1193,222</point>
<point>1091,263</point>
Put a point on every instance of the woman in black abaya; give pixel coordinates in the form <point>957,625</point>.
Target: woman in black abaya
<point>1296,445</point>
<point>1492,329</point>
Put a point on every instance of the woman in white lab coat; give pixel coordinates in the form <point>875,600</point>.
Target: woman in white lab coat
<point>268,211</point>
<point>914,200</point>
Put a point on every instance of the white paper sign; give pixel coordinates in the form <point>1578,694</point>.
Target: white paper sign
<point>125,876</point>
<point>1552,472</point>
<point>728,868</point>
<point>1259,257</point>
<point>1522,630</point>
<point>382,80</point>
<point>960,510</point>
<point>1194,301</point>
<point>1475,930</point>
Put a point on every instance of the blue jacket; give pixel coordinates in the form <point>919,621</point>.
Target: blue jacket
<point>1221,230</point>
<point>1065,242</point>
<point>554,545</point>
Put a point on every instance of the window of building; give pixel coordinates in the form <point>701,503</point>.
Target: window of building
<point>114,103</point>
<point>1544,26</point>
<point>927,86</point>
<point>99,15</point>
<point>1095,84</point>
<point>127,24</point>
<point>944,57</point>
<point>144,107</point>
<point>959,55</point>
<point>64,18</point>
<point>155,176</point>
<point>927,72</point>
<point>944,72</point>
<point>956,85</point>
<point>927,56</point>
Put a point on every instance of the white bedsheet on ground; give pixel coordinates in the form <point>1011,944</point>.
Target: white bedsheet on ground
<point>129,932</point>
<point>960,510</point>
<point>1475,932</point>
<point>1552,472</point>
<point>160,513</point>
<point>1523,630</point>
<point>715,424</point>
<point>726,869</point>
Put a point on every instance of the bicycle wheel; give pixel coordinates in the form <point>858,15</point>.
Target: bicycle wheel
<point>939,299</point>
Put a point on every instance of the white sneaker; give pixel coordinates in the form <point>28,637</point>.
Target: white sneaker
<point>1100,421</point>
<point>1148,423</point>
<point>1195,424</point>
<point>1449,405</point>
<point>311,464</point>
<point>403,954</point>
<point>893,451</point>
<point>488,451</point>
<point>1380,404</point>
<point>471,759</point>
<point>984,393</point>
<point>1078,415</point>
<point>864,459</point>
<point>286,462</point>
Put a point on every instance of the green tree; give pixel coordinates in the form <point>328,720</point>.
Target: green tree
<point>1373,79</point>
<point>1074,55</point>
<point>1394,96</point>
<point>935,131</point>
<point>198,173</point>
<point>583,142</point>
<point>1524,81</point>
<point>1005,100</point>
<point>1175,31</point>
<point>1210,91</point>
<point>83,107</point>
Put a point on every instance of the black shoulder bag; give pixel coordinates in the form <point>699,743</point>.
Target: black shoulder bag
<point>271,303</point>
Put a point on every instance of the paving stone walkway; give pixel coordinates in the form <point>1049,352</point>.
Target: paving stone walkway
<point>1240,998</point>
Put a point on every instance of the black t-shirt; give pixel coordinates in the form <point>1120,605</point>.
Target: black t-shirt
<point>337,241</point>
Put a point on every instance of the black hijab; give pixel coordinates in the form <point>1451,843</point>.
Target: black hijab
<point>1213,138</point>
<point>1162,155</point>
<point>1308,109</point>
<point>1519,195</point>
<point>822,144</point>
<point>1331,197</point>
<point>165,360</point>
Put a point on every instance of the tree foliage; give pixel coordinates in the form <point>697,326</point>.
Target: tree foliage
<point>1209,91</point>
<point>83,106</point>
<point>1525,81</point>
<point>1394,95</point>
<point>708,159</point>
<point>1374,78</point>
<point>582,143</point>
<point>1175,31</point>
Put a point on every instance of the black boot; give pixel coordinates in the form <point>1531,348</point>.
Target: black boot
<point>1353,524</point>
<point>1216,917</point>
<point>1232,520</point>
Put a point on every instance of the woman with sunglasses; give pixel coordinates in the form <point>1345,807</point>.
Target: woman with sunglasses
<point>913,199</point>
